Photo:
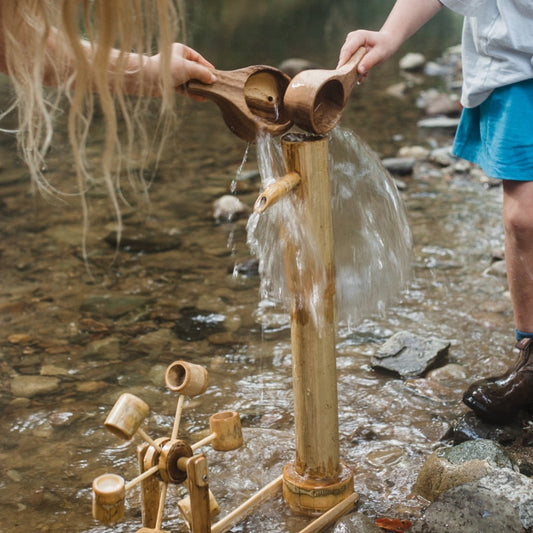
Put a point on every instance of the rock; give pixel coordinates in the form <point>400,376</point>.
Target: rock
<point>409,355</point>
<point>356,523</point>
<point>399,165</point>
<point>439,122</point>
<point>107,348</point>
<point>195,325</point>
<point>442,156</point>
<point>229,208</point>
<point>30,386</point>
<point>154,342</point>
<point>144,240</point>
<point>498,268</point>
<point>113,305</point>
<point>412,61</point>
<point>294,65</point>
<point>414,152</point>
<point>506,483</point>
<point>469,509</point>
<point>450,467</point>
<point>470,427</point>
<point>435,102</point>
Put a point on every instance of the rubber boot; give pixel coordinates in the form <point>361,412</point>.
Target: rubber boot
<point>498,399</point>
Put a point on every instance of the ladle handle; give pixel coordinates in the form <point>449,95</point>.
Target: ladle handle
<point>351,65</point>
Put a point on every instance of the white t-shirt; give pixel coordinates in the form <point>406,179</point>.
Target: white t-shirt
<point>497,45</point>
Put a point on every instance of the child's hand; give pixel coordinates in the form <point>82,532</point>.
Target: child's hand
<point>379,46</point>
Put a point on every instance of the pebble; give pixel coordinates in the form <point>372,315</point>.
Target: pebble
<point>228,208</point>
<point>30,386</point>
<point>412,62</point>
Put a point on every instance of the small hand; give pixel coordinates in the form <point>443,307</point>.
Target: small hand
<point>379,47</point>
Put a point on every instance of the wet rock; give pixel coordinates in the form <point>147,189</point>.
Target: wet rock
<point>439,122</point>
<point>399,165</point>
<point>412,61</point>
<point>294,65</point>
<point>195,325</point>
<point>108,348</point>
<point>498,269</point>
<point>154,342</point>
<point>434,102</point>
<point>246,267</point>
<point>409,355</point>
<point>229,208</point>
<point>415,152</point>
<point>450,467</point>
<point>30,386</point>
<point>144,240</point>
<point>470,427</point>
<point>469,509</point>
<point>113,305</point>
<point>442,156</point>
<point>356,523</point>
<point>506,483</point>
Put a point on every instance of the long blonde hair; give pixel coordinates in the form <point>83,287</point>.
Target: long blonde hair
<point>68,44</point>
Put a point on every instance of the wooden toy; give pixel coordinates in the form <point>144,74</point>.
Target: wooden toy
<point>250,99</point>
<point>315,98</point>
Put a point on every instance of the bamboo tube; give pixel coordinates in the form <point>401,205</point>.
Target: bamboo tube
<point>277,190</point>
<point>313,342</point>
<point>267,492</point>
<point>126,416</point>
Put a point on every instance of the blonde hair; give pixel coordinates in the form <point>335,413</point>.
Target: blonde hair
<point>68,44</point>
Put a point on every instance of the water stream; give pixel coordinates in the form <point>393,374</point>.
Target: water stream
<point>183,288</point>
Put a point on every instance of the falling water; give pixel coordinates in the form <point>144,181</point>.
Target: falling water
<point>372,237</point>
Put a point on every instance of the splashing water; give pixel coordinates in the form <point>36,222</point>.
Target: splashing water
<point>372,237</point>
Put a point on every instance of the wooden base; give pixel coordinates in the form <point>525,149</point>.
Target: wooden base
<point>314,497</point>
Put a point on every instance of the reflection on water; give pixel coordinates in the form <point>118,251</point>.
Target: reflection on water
<point>83,341</point>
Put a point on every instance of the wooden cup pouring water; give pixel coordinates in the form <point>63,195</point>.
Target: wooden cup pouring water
<point>250,98</point>
<point>315,99</point>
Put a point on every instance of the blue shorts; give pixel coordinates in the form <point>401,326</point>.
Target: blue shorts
<point>498,134</point>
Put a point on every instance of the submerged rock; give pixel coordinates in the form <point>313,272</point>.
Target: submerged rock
<point>144,240</point>
<point>409,355</point>
<point>229,208</point>
<point>30,386</point>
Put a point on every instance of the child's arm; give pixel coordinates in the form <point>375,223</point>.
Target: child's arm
<point>406,17</point>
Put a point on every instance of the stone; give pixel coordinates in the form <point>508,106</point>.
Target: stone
<point>294,65</point>
<point>399,165</point>
<point>469,509</point>
<point>409,355</point>
<point>439,122</point>
<point>30,386</point>
<point>450,467</point>
<point>113,305</point>
<point>229,208</point>
<point>412,61</point>
<point>144,240</point>
<point>506,483</point>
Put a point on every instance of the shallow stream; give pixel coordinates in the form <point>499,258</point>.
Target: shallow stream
<point>174,293</point>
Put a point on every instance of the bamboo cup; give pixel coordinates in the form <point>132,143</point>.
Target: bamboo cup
<point>109,494</point>
<point>315,99</point>
<point>127,415</point>
<point>250,98</point>
<point>186,378</point>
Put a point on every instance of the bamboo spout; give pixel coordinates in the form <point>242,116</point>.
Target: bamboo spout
<point>277,190</point>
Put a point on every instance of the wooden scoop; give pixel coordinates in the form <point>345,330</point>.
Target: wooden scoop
<point>251,99</point>
<point>315,99</point>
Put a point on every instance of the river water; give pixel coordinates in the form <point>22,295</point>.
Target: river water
<point>174,293</point>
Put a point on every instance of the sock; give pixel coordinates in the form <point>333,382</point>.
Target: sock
<point>522,335</point>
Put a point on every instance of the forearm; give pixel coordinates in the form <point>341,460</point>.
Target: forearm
<point>407,16</point>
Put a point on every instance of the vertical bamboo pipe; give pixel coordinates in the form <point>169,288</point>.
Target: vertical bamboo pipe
<point>317,480</point>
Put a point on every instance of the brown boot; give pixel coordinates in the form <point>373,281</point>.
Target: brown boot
<point>498,399</point>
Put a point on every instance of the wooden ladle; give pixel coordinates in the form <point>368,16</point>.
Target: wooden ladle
<point>315,99</point>
<point>250,98</point>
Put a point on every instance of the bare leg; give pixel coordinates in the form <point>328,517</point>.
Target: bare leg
<point>518,225</point>
<point>499,398</point>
